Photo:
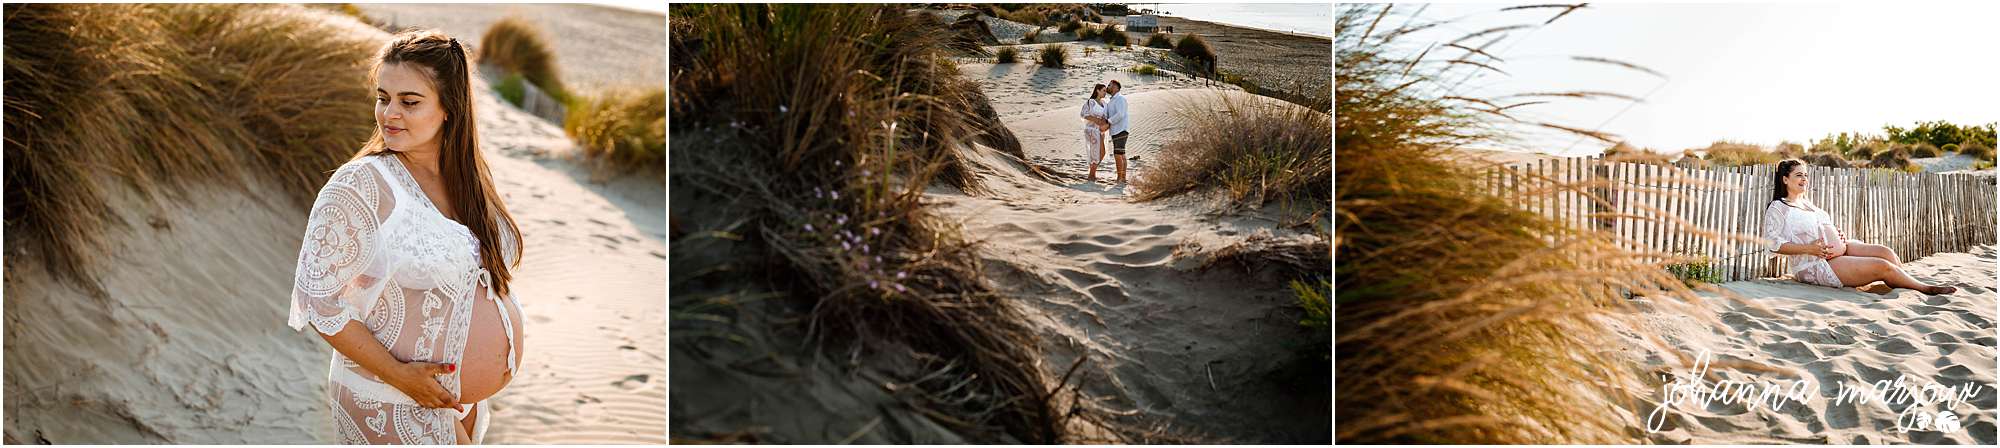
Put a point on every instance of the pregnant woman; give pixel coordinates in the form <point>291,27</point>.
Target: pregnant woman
<point>1819,252</point>
<point>405,264</point>
<point>1093,129</point>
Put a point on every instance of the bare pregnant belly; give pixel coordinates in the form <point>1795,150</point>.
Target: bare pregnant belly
<point>483,370</point>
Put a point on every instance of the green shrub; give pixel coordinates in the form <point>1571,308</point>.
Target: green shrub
<point>1950,147</point>
<point>1160,40</point>
<point>1976,149</point>
<point>1053,55</point>
<point>512,88</point>
<point>1922,150</point>
<point>1194,48</point>
<point>1008,55</point>
<point>1146,69</point>
<point>516,45</point>
<point>1695,271</point>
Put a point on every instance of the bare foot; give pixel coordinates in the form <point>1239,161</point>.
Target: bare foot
<point>1940,290</point>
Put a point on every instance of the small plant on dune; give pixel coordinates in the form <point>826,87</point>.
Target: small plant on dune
<point>1725,153</point>
<point>1114,37</point>
<point>822,173</point>
<point>1160,40</point>
<point>1894,158</point>
<point>625,130</point>
<point>1087,51</point>
<point>1977,150</point>
<point>1255,152</point>
<point>1695,271</point>
<point>1950,148</point>
<point>1071,26</point>
<point>1312,296</point>
<point>158,98</point>
<point>516,45</point>
<point>1503,346</point>
<point>1053,55</point>
<point>512,88</point>
<point>1193,48</point>
<point>1146,69</point>
<point>1088,32</point>
<point>1921,150</point>
<point>1008,55</point>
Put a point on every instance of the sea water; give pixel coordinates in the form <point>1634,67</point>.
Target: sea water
<point>1303,18</point>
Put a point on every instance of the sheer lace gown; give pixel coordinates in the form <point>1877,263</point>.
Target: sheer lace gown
<point>377,252</point>
<point>1786,223</point>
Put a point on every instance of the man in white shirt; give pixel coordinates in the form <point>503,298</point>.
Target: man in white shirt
<point>1116,113</point>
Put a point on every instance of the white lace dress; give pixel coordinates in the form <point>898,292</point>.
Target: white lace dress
<point>376,251</point>
<point>1093,148</point>
<point>1784,223</point>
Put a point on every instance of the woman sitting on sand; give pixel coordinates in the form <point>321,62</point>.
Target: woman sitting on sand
<point>404,267</point>
<point>1094,128</point>
<point>1819,252</point>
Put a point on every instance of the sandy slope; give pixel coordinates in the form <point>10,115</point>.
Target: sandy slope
<point>1212,352</point>
<point>1835,336</point>
<point>151,363</point>
<point>596,46</point>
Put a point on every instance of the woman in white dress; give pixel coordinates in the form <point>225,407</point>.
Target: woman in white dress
<point>406,260</point>
<point>1819,252</point>
<point>1094,127</point>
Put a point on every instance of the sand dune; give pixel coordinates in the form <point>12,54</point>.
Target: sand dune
<point>1203,349</point>
<point>1835,336</point>
<point>152,363</point>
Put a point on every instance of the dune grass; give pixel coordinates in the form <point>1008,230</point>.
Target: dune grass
<point>516,45</point>
<point>1146,69</point>
<point>1196,49</point>
<point>625,130</point>
<point>158,98</point>
<point>1053,55</point>
<point>1071,26</point>
<point>1727,153</point>
<point>1436,346</point>
<point>1007,55</point>
<point>1256,153</point>
<point>826,169</point>
<point>1114,37</point>
<point>1089,32</point>
<point>1160,40</point>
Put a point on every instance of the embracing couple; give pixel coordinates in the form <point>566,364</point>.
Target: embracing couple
<point>1819,252</point>
<point>1105,114</point>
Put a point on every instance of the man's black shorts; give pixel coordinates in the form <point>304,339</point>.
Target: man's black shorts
<point>1118,142</point>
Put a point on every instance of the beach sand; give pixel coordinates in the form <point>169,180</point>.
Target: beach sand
<point>1835,336</point>
<point>1207,351</point>
<point>1272,59</point>
<point>190,345</point>
<point>596,46</point>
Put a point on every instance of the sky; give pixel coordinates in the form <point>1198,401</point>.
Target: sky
<point>1756,73</point>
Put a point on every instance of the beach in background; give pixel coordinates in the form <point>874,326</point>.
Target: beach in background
<point>1301,18</point>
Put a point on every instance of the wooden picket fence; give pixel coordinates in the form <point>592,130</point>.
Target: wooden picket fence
<point>1916,214</point>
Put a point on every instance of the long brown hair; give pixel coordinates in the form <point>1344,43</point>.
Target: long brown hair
<point>466,182</point>
<point>1785,168</point>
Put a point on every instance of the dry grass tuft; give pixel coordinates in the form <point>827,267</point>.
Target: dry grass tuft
<point>517,45</point>
<point>1008,55</point>
<point>1053,55</point>
<point>826,168</point>
<point>1255,152</point>
<point>625,130</point>
<point>161,97</point>
<point>1437,346</point>
<point>1193,48</point>
<point>1160,40</point>
<point>1727,153</point>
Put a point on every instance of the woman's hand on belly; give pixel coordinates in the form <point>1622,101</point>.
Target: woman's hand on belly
<point>419,381</point>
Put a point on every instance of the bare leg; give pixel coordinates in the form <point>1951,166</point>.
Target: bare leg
<point>1121,166</point>
<point>464,426</point>
<point>1860,271</point>
<point>1860,249</point>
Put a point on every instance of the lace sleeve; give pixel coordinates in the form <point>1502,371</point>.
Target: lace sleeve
<point>1774,226</point>
<point>340,257</point>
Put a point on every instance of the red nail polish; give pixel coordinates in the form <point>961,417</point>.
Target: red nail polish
<point>448,368</point>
